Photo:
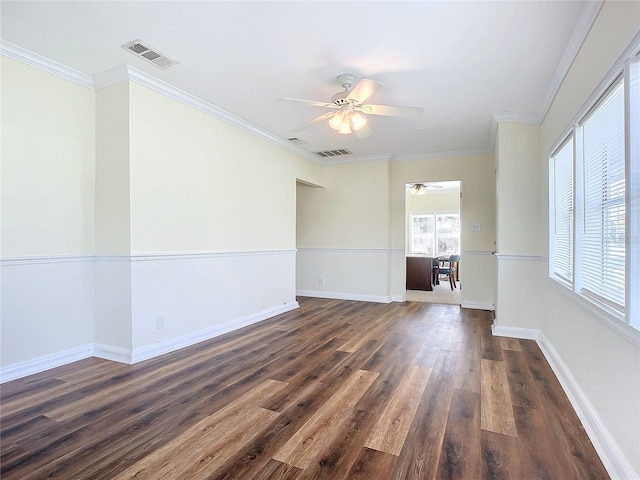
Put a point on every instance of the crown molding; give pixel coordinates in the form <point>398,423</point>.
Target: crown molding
<point>127,72</point>
<point>114,76</point>
<point>493,134</point>
<point>358,159</point>
<point>504,117</point>
<point>435,155</point>
<point>43,63</point>
<point>578,37</point>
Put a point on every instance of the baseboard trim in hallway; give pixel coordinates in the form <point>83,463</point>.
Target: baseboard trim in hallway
<point>612,457</point>
<point>125,355</point>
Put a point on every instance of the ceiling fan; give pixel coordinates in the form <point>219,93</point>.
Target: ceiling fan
<point>348,106</point>
<point>421,188</point>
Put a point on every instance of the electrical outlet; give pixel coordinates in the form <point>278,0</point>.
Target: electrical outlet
<point>475,227</point>
<point>159,323</point>
<point>321,281</point>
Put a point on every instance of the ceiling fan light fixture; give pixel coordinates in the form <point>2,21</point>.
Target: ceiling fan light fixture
<point>346,121</point>
<point>345,128</point>
<point>358,121</point>
<point>336,121</point>
<point>350,109</point>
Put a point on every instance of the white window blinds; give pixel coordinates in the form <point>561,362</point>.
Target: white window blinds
<point>561,214</point>
<point>602,246</point>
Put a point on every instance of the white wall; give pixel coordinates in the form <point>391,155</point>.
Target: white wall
<point>351,233</point>
<point>48,165</point>
<point>121,206</point>
<point>343,233</point>
<point>198,184</point>
<point>351,211</point>
<point>518,185</point>
<point>213,213</point>
<point>204,295</point>
<point>519,261</point>
<point>113,185</point>
<point>47,308</point>
<point>112,318</point>
<point>601,363</point>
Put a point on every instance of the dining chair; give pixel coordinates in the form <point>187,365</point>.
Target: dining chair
<point>450,270</point>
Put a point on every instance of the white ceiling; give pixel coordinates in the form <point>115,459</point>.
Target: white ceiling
<point>462,62</point>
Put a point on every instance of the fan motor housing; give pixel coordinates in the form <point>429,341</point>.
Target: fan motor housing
<point>340,98</point>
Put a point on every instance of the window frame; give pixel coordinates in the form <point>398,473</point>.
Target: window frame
<point>627,70</point>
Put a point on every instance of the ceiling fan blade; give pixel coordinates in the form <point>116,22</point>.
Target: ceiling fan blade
<point>308,102</point>
<point>324,116</point>
<point>392,110</point>
<point>364,132</point>
<point>363,90</point>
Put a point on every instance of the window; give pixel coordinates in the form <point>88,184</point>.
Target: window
<point>593,201</point>
<point>561,214</point>
<point>423,234</point>
<point>602,240</point>
<point>435,234</point>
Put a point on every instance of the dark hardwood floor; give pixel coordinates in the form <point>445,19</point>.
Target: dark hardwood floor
<point>334,390</point>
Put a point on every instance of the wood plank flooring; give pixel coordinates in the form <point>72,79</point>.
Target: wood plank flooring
<point>333,390</point>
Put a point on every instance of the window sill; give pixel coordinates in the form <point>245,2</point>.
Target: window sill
<point>601,312</point>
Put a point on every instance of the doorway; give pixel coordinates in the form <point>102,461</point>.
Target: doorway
<point>433,230</point>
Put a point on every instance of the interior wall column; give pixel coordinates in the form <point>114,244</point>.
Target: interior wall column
<point>113,318</point>
<point>520,265</point>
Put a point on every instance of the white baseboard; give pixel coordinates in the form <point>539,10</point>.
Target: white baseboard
<point>111,352</point>
<point>612,457</point>
<point>123,355</point>
<point>477,306</point>
<point>176,343</point>
<point>399,298</point>
<point>515,332</point>
<point>40,364</point>
<point>345,296</point>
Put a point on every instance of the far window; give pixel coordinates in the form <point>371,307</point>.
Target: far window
<point>435,234</point>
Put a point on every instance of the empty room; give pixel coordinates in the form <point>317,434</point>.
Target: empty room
<point>222,238</point>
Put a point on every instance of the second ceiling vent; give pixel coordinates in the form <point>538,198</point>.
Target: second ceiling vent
<point>333,153</point>
<point>151,55</point>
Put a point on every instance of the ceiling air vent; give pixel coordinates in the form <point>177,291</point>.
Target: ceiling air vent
<point>151,55</point>
<point>297,141</point>
<point>333,153</point>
